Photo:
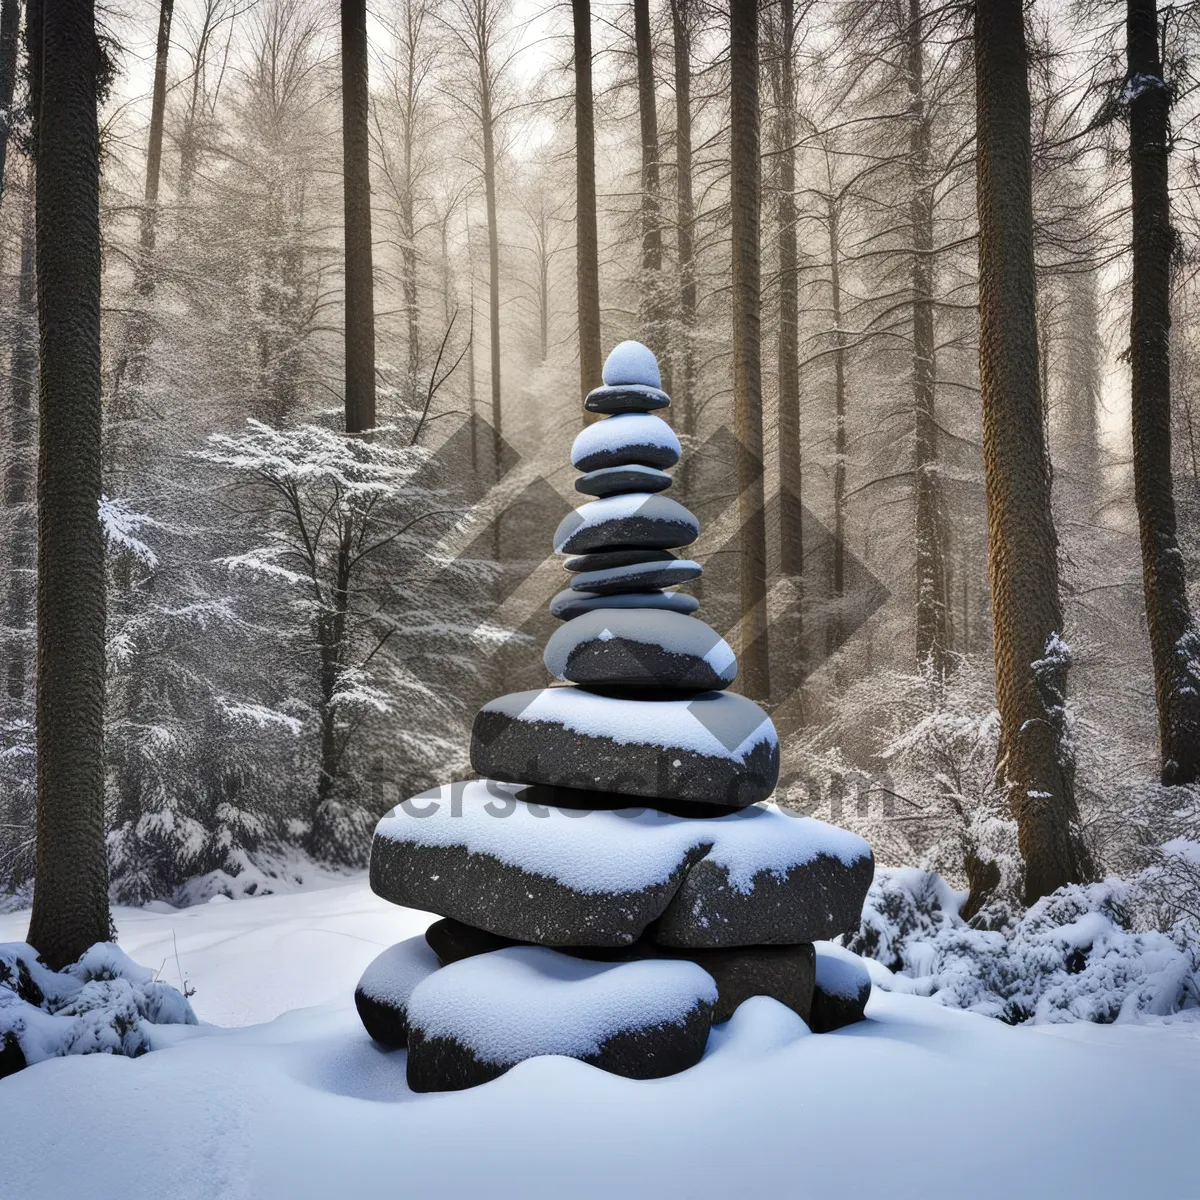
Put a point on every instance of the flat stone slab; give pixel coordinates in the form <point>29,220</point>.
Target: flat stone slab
<point>477,1018</point>
<point>841,990</point>
<point>638,520</point>
<point>785,973</point>
<point>634,648</point>
<point>613,481</point>
<point>561,877</point>
<point>714,747</point>
<point>625,398</point>
<point>637,577</point>
<point>569,603</point>
<point>626,438</point>
<point>385,987</point>
<point>607,559</point>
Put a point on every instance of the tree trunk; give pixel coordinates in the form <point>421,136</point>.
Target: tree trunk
<point>18,495</point>
<point>747,349</point>
<point>1174,642</point>
<point>833,634</point>
<point>70,900</point>
<point>1035,760</point>
<point>791,532</point>
<point>932,606</point>
<point>154,149</point>
<point>10,31</point>
<point>489,188</point>
<point>587,254</point>
<point>652,314</point>
<point>356,194</point>
<point>685,233</point>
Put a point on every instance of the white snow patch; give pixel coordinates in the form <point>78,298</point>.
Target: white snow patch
<point>839,972</point>
<point>512,1004</point>
<point>394,974</point>
<point>624,429</point>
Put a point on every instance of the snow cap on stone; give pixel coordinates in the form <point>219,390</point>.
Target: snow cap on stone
<point>631,362</point>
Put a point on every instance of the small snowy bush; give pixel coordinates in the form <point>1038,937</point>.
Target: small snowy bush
<point>1074,956</point>
<point>103,1004</point>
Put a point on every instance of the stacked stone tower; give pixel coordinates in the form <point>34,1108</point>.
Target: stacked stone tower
<point>615,884</point>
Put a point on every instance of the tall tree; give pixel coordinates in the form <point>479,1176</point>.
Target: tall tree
<point>932,602</point>
<point>356,185</point>
<point>685,217</point>
<point>158,106</point>
<point>652,314</point>
<point>10,36</point>
<point>587,254</point>
<point>1035,757</point>
<point>1174,641</point>
<point>70,900</point>
<point>745,195</point>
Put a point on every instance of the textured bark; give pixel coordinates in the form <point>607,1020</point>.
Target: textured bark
<point>791,533</point>
<point>685,232</point>
<point>158,106</point>
<point>1174,642</point>
<point>652,307</point>
<point>747,349</point>
<point>483,61</point>
<point>833,221</point>
<point>587,259</point>
<point>1035,761</point>
<point>10,30</point>
<point>356,192</point>
<point>70,901</point>
<point>407,84</point>
<point>18,492</point>
<point>932,606</point>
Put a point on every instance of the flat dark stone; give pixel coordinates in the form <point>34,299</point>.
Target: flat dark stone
<point>785,973</point>
<point>640,649</point>
<point>626,438</point>
<point>637,577</point>
<point>615,481</point>
<point>569,603</point>
<point>841,990</point>
<point>577,800</point>
<point>635,520</point>
<point>626,398</point>
<point>535,737</point>
<point>617,558</point>
<point>649,1048</point>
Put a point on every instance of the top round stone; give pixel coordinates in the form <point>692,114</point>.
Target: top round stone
<point>631,362</point>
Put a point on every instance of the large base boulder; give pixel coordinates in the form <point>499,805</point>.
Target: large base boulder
<point>477,1018</point>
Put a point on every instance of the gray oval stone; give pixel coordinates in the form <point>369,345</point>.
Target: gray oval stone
<point>626,438</point>
<point>614,481</point>
<point>569,603</point>
<point>626,397</point>
<point>637,577</point>
<point>616,558</point>
<point>637,519</point>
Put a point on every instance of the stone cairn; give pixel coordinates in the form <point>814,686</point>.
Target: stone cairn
<point>616,883</point>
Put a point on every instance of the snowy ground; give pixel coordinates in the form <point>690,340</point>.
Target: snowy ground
<point>295,1101</point>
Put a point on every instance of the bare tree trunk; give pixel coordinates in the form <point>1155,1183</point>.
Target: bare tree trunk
<point>932,634</point>
<point>154,150</point>
<point>791,532</point>
<point>18,494</point>
<point>356,176</point>
<point>833,634</point>
<point>489,188</point>
<point>10,31</point>
<point>70,900</point>
<point>684,347</point>
<point>653,315</point>
<point>586,238</point>
<point>747,350</point>
<point>1174,642</point>
<point>1035,760</point>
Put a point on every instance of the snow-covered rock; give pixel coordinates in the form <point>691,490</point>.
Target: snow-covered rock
<point>561,877</point>
<point>383,991</point>
<point>842,987</point>
<point>711,747</point>
<point>640,649</point>
<point>612,481</point>
<point>626,438</point>
<point>631,362</point>
<point>639,520</point>
<point>479,1017</point>
<point>569,603</point>
<point>637,577</point>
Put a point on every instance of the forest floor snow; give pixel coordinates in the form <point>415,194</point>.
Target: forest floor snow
<point>283,1094</point>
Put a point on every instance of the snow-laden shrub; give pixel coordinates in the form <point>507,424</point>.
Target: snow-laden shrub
<point>1074,956</point>
<point>103,1004</point>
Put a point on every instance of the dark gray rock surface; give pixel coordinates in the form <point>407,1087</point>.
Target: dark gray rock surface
<point>615,481</point>
<point>569,603</point>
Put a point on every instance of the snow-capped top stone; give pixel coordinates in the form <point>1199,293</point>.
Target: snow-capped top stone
<point>631,362</point>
